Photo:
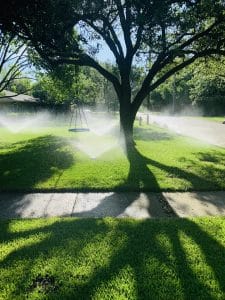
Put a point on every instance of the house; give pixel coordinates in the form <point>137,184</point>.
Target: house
<point>11,102</point>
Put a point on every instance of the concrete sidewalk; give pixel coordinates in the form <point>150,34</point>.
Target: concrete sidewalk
<point>136,205</point>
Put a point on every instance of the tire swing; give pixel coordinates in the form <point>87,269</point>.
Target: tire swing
<point>78,120</point>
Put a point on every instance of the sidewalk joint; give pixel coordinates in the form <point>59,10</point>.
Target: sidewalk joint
<point>74,204</point>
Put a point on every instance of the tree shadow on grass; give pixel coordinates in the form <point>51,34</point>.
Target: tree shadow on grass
<point>121,258</point>
<point>211,165</point>
<point>212,157</point>
<point>153,266</point>
<point>149,134</point>
<point>141,177</point>
<point>66,236</point>
<point>33,161</point>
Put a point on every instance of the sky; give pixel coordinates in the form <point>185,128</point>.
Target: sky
<point>105,55</point>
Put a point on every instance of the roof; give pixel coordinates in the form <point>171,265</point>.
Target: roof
<point>10,97</point>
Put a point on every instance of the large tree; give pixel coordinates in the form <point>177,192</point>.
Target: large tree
<point>167,34</point>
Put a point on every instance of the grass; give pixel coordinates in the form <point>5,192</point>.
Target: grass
<point>112,259</point>
<point>214,119</point>
<point>55,159</point>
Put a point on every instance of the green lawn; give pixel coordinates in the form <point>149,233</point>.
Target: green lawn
<point>214,119</point>
<point>112,259</point>
<point>55,159</point>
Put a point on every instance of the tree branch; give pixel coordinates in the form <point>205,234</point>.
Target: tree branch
<point>199,35</point>
<point>115,38</point>
<point>125,25</point>
<point>86,60</point>
<point>106,38</point>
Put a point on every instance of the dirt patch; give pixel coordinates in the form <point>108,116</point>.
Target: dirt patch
<point>44,283</point>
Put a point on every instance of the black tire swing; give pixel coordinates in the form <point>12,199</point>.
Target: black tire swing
<point>78,120</point>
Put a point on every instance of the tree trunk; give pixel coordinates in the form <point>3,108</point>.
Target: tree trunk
<point>127,118</point>
<point>148,102</point>
<point>127,115</point>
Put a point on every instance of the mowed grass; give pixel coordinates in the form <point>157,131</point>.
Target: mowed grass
<point>52,158</point>
<point>214,119</point>
<point>112,259</point>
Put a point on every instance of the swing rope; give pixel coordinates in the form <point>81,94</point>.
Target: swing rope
<point>77,115</point>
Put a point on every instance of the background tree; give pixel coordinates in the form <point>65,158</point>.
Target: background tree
<point>198,89</point>
<point>207,86</point>
<point>56,87</point>
<point>21,86</point>
<point>65,84</point>
<point>13,61</point>
<point>171,34</point>
<point>173,96</point>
